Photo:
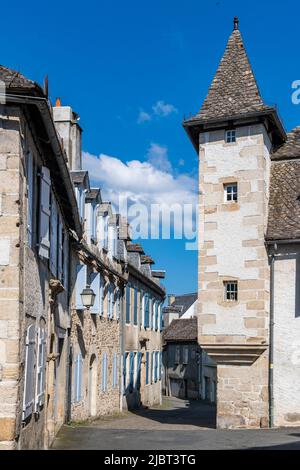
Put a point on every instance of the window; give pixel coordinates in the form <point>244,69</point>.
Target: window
<point>77,391</point>
<point>95,285</point>
<point>115,371</point>
<point>118,304</point>
<point>135,306</point>
<point>80,284</point>
<point>28,398</point>
<point>230,192</point>
<point>30,181</point>
<point>147,367</point>
<point>185,355</point>
<point>124,371</point>
<point>104,372</point>
<point>44,225</point>
<point>177,355</point>
<point>231,291</point>
<point>138,370</point>
<point>230,136</point>
<point>141,309</point>
<point>128,292</point>
<point>40,373</point>
<point>111,302</point>
<point>146,315</point>
<point>131,370</point>
<point>102,296</point>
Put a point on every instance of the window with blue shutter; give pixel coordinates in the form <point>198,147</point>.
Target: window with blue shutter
<point>44,214</point>
<point>141,309</point>
<point>115,371</point>
<point>160,317</point>
<point>152,368</point>
<point>78,363</point>
<point>147,367</point>
<point>66,262</point>
<point>101,295</point>
<point>118,306</point>
<point>138,370</point>
<point>53,236</point>
<point>146,319</point>
<point>104,372</point>
<point>156,315</point>
<point>80,284</point>
<point>40,372</point>
<point>135,307</point>
<point>160,365</point>
<point>157,366</point>
<point>131,370</point>
<point>111,301</point>
<point>60,249</point>
<point>124,371</point>
<point>128,291</point>
<point>28,397</point>
<point>95,285</point>
<point>30,182</point>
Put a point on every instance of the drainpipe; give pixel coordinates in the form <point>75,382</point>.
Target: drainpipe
<point>271,344</point>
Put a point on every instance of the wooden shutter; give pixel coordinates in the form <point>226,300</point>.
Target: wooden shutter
<point>156,315</point>
<point>147,367</point>
<point>127,304</point>
<point>75,384</point>
<point>118,306</point>
<point>131,370</point>
<point>138,370</point>
<point>112,301</point>
<point>30,181</point>
<point>40,372</point>
<point>44,236</point>
<point>124,371</point>
<point>146,311</point>
<point>79,378</point>
<point>53,236</point>
<point>135,307</point>
<point>28,398</point>
<point>95,285</point>
<point>104,372</point>
<point>115,370</point>
<point>66,262</point>
<point>80,284</point>
<point>89,221</point>
<point>101,296</point>
<point>152,367</point>
<point>60,250</point>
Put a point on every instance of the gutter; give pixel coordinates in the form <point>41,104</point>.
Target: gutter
<point>43,106</point>
<point>271,344</point>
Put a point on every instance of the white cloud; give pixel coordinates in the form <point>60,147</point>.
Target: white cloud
<point>160,108</point>
<point>146,183</point>
<point>157,155</point>
<point>143,117</point>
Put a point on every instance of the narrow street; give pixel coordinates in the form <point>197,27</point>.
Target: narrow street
<point>176,425</point>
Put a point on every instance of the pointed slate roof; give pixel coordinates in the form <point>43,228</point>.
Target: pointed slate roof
<point>234,90</point>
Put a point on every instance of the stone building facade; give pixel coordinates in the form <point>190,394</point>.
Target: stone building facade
<point>238,139</point>
<point>142,358</point>
<point>59,360</point>
<point>35,187</point>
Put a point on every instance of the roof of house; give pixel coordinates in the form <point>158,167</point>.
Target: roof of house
<point>291,148</point>
<point>182,330</point>
<point>135,248</point>
<point>181,303</point>
<point>146,259</point>
<point>16,81</point>
<point>284,202</point>
<point>234,90</point>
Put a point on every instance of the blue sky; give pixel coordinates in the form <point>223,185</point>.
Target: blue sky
<point>113,60</point>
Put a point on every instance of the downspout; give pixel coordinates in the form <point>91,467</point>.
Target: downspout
<point>271,344</point>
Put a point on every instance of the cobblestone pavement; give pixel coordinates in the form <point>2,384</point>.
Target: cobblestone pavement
<point>176,425</point>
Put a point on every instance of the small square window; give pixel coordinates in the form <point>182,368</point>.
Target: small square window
<point>230,291</point>
<point>230,136</point>
<point>231,192</point>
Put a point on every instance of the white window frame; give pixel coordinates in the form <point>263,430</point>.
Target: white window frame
<point>185,355</point>
<point>230,291</point>
<point>231,192</point>
<point>230,136</point>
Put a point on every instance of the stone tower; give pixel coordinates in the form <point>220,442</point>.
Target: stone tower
<point>234,133</point>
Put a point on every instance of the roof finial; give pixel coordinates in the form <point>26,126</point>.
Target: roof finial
<point>236,23</point>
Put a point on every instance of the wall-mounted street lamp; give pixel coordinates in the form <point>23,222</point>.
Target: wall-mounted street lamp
<point>88,297</point>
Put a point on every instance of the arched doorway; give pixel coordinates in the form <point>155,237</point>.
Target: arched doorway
<point>93,386</point>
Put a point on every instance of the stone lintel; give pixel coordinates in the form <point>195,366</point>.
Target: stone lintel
<point>234,354</point>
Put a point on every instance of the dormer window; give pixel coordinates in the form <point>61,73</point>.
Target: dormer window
<point>230,136</point>
<point>230,192</point>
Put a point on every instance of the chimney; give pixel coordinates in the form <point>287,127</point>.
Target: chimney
<point>66,123</point>
<point>171,299</point>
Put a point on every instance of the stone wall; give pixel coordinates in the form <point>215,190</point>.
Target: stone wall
<point>286,368</point>
<point>231,248</point>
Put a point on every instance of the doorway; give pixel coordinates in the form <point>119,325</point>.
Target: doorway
<point>93,386</point>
